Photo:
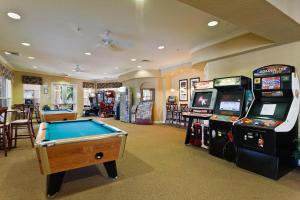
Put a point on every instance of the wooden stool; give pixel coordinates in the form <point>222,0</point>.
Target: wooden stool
<point>22,124</point>
<point>3,129</point>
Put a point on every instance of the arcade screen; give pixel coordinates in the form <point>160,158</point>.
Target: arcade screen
<point>269,110</point>
<point>202,99</point>
<point>230,102</point>
<point>270,83</point>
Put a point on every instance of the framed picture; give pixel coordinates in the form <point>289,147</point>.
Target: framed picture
<point>193,82</point>
<point>183,90</point>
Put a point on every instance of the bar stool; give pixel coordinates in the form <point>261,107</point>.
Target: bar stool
<point>168,113</point>
<point>22,124</point>
<point>174,113</point>
<point>182,119</point>
<point>4,129</point>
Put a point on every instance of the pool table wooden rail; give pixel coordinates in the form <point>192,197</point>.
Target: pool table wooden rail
<point>78,152</point>
<point>59,116</point>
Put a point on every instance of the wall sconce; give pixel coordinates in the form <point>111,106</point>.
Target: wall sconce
<point>172,90</point>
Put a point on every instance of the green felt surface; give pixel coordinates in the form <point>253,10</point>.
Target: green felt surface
<point>75,129</point>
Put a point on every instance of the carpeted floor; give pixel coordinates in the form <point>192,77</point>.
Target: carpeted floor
<point>156,165</point>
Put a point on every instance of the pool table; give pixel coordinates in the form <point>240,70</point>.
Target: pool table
<point>58,115</point>
<point>67,145</point>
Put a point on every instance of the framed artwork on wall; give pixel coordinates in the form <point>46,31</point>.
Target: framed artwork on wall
<point>183,90</point>
<point>193,82</point>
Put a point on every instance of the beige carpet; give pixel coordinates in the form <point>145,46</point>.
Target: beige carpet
<point>157,166</point>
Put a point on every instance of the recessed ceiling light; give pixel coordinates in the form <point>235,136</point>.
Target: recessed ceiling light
<point>161,47</point>
<point>117,68</point>
<point>212,23</point>
<point>35,67</point>
<point>133,59</point>
<point>31,57</point>
<point>14,15</point>
<point>139,66</point>
<point>73,70</point>
<point>88,53</point>
<point>26,44</point>
<point>7,53</point>
<point>104,73</point>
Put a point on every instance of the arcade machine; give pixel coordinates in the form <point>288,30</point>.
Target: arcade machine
<point>201,105</point>
<point>106,100</point>
<point>93,109</point>
<point>125,104</point>
<point>265,138</point>
<point>233,100</point>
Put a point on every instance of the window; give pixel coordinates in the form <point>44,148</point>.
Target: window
<point>32,93</point>
<point>64,95</point>
<point>5,92</point>
<point>88,92</point>
<point>148,94</point>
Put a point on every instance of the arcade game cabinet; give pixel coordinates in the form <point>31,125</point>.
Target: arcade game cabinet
<point>234,97</point>
<point>92,109</point>
<point>265,138</point>
<point>201,105</point>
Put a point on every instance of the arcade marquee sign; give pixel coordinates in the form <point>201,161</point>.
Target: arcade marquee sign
<point>273,69</point>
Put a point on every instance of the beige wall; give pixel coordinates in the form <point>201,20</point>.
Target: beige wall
<point>156,83</point>
<point>17,88</point>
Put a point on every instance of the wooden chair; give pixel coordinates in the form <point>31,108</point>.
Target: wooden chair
<point>21,110</point>
<point>22,124</point>
<point>36,111</point>
<point>3,129</point>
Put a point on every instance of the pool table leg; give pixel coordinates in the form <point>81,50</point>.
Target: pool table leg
<point>54,182</point>
<point>111,169</point>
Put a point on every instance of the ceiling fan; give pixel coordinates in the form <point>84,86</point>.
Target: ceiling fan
<point>77,69</point>
<point>110,42</point>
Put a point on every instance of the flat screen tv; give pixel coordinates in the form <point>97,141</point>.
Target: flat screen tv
<point>203,99</point>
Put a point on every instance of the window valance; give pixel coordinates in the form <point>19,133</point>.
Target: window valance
<point>34,80</point>
<point>5,72</point>
<point>109,85</point>
<point>88,85</point>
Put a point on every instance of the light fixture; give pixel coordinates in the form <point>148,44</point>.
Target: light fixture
<point>74,70</point>
<point>161,47</point>
<point>133,59</point>
<point>117,68</point>
<point>31,57</point>
<point>7,53</point>
<point>213,23</point>
<point>139,66</point>
<point>104,73</point>
<point>34,67</point>
<point>14,15</point>
<point>172,90</point>
<point>26,44</point>
<point>88,53</point>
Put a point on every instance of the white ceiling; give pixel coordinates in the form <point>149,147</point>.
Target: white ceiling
<point>139,25</point>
